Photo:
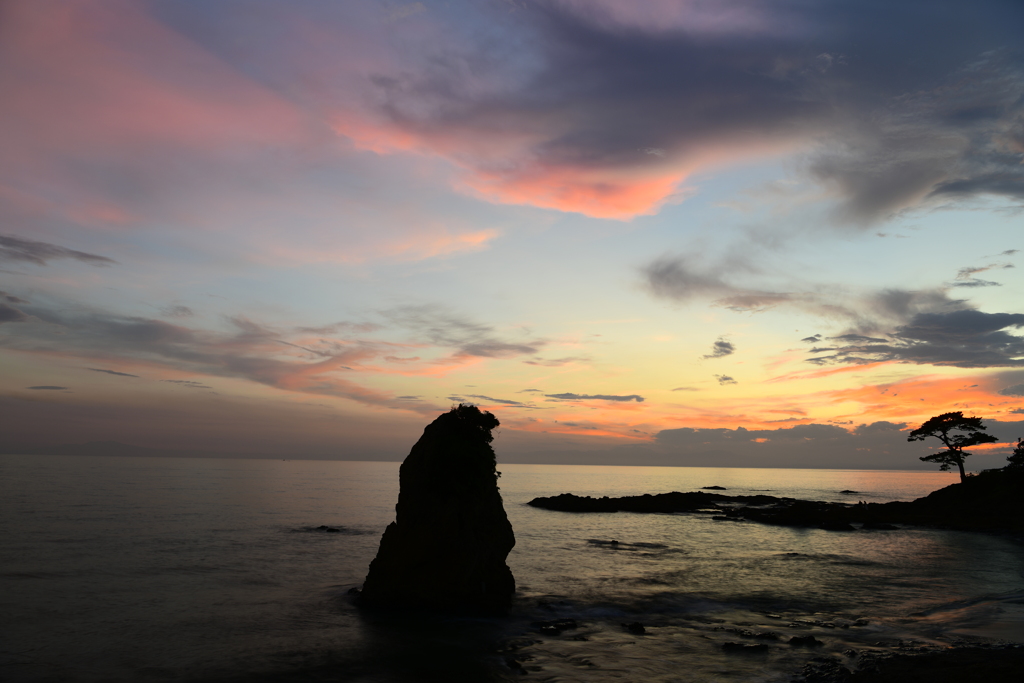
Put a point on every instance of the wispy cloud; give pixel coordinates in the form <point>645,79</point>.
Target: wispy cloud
<point>556,362</point>
<point>965,276</point>
<point>112,372</point>
<point>176,311</point>
<point>442,327</point>
<point>287,359</point>
<point>41,253</point>
<point>502,401</point>
<point>595,397</point>
<point>188,383</point>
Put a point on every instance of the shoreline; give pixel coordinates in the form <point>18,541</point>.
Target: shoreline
<point>990,501</point>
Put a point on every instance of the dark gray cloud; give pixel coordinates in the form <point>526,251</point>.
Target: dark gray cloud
<point>683,278</point>
<point>881,445</point>
<point>48,388</point>
<point>10,314</point>
<point>721,348</point>
<point>496,349</point>
<point>961,137</point>
<point>903,113</point>
<point>112,372</point>
<point>10,298</point>
<point>960,338</point>
<point>595,397</point>
<point>1015,390</point>
<point>974,282</point>
<point>923,326</point>
<point>680,278</point>
<point>725,379</point>
<point>188,383</point>
<point>686,389</point>
<point>857,339</point>
<point>40,253</point>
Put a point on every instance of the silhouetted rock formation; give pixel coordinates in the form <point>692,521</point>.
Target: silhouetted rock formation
<point>990,501</point>
<point>661,502</point>
<point>446,548</point>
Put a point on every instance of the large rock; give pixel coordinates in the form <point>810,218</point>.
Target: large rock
<point>446,548</point>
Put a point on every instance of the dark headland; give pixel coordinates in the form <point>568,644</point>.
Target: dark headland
<point>992,500</point>
<point>446,549</point>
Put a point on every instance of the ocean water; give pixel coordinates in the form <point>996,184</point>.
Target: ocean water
<point>159,569</point>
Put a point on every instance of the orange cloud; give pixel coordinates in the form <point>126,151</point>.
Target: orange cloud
<point>500,165</point>
<point>826,372</point>
<point>917,399</point>
<point>600,193</point>
<point>581,427</point>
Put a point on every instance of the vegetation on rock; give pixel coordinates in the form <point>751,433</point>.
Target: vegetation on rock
<point>944,428</point>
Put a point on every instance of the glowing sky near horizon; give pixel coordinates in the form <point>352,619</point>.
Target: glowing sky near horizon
<point>662,231</point>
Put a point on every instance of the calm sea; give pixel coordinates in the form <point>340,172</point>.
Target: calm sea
<point>159,569</point>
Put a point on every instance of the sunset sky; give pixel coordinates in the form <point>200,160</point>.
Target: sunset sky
<point>686,232</point>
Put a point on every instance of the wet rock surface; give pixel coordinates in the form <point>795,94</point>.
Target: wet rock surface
<point>446,549</point>
<point>954,665</point>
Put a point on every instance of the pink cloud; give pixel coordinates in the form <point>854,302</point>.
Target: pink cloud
<point>736,17</point>
<point>499,162</point>
<point>85,76</point>
<point>103,106</point>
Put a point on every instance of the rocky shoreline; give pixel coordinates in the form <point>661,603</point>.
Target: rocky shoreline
<point>990,501</point>
<point>994,664</point>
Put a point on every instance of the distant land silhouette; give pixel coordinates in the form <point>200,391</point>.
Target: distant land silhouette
<point>115,448</point>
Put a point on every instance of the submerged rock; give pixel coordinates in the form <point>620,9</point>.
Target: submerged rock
<point>446,549</point>
<point>743,647</point>
<point>635,627</point>
<point>805,641</point>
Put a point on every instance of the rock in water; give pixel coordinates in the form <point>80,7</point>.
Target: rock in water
<point>446,548</point>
